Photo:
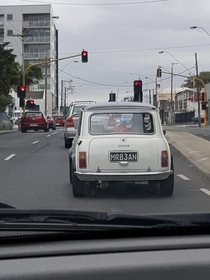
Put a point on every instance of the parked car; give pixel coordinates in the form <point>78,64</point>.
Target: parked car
<point>59,120</point>
<point>34,120</point>
<point>71,121</point>
<point>101,156</point>
<point>5,122</point>
<point>52,123</point>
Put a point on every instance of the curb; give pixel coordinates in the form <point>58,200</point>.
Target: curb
<point>194,148</point>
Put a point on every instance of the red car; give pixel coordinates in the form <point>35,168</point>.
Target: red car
<point>34,120</point>
<point>59,120</point>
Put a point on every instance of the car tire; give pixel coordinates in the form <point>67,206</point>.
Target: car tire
<point>23,130</point>
<point>67,143</point>
<point>78,186</point>
<point>167,185</point>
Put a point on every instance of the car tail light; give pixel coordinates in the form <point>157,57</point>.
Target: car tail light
<point>82,160</point>
<point>164,159</point>
<point>70,122</point>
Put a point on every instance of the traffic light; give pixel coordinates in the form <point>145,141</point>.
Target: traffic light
<point>203,105</point>
<point>112,97</point>
<point>137,87</point>
<point>21,91</point>
<point>159,72</point>
<point>30,104</point>
<point>84,55</point>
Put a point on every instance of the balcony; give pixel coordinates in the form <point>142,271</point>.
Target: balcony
<point>35,24</point>
<point>40,55</point>
<point>30,39</point>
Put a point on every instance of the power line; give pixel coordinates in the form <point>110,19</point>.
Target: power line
<point>98,4</point>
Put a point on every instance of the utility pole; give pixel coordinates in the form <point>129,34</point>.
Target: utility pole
<point>198,91</point>
<point>61,93</point>
<point>45,90</point>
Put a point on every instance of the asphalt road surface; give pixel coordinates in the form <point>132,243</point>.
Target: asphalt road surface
<point>34,175</point>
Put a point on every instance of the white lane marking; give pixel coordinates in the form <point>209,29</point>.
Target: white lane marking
<point>35,142</point>
<point>54,132</point>
<point>203,159</point>
<point>183,177</point>
<point>11,156</point>
<point>205,191</point>
<point>48,135</point>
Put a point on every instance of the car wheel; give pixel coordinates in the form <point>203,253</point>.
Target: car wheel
<point>67,143</point>
<point>23,130</point>
<point>70,171</point>
<point>167,185</point>
<point>78,186</point>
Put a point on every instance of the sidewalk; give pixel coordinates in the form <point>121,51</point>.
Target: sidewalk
<point>15,129</point>
<point>194,148</point>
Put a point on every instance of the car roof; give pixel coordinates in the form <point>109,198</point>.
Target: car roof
<point>119,106</point>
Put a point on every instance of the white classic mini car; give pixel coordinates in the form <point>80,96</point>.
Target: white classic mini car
<point>106,149</point>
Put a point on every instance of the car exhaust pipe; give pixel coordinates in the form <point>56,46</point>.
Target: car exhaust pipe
<point>102,185</point>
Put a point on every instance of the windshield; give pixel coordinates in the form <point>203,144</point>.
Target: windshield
<point>128,83</point>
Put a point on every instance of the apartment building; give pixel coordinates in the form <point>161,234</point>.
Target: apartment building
<point>30,30</point>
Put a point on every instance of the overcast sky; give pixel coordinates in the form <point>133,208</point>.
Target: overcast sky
<point>126,37</point>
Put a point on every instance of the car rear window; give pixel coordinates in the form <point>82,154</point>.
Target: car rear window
<point>33,114</point>
<point>77,108</point>
<point>109,123</point>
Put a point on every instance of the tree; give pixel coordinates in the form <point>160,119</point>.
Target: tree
<point>204,76</point>
<point>11,76</point>
<point>33,75</point>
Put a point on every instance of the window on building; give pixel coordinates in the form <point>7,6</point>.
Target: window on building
<point>9,32</point>
<point>9,17</point>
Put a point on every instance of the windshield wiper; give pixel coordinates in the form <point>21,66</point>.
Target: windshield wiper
<point>61,220</point>
<point>6,206</point>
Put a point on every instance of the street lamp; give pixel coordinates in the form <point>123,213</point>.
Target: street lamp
<point>194,27</point>
<point>161,52</point>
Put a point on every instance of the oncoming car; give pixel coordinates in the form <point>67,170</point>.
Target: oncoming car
<point>101,156</point>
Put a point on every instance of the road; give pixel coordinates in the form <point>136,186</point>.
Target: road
<point>34,175</point>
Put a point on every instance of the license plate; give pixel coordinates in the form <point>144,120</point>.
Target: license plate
<point>33,124</point>
<point>123,156</point>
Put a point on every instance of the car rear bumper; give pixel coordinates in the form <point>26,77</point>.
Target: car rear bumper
<point>131,176</point>
<point>70,134</point>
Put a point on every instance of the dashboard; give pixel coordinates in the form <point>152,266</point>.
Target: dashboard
<point>148,258</point>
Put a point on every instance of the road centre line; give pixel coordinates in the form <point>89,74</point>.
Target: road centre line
<point>35,142</point>
<point>183,177</point>
<point>9,157</point>
<point>205,191</point>
<point>48,135</point>
<point>54,132</point>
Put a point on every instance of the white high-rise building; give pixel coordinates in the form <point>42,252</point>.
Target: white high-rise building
<point>31,32</point>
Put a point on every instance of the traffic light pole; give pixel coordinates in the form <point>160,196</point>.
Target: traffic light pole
<point>40,63</point>
<point>204,86</point>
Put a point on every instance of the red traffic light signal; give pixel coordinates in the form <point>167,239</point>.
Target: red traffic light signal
<point>21,91</point>
<point>137,87</point>
<point>30,104</point>
<point>84,55</point>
